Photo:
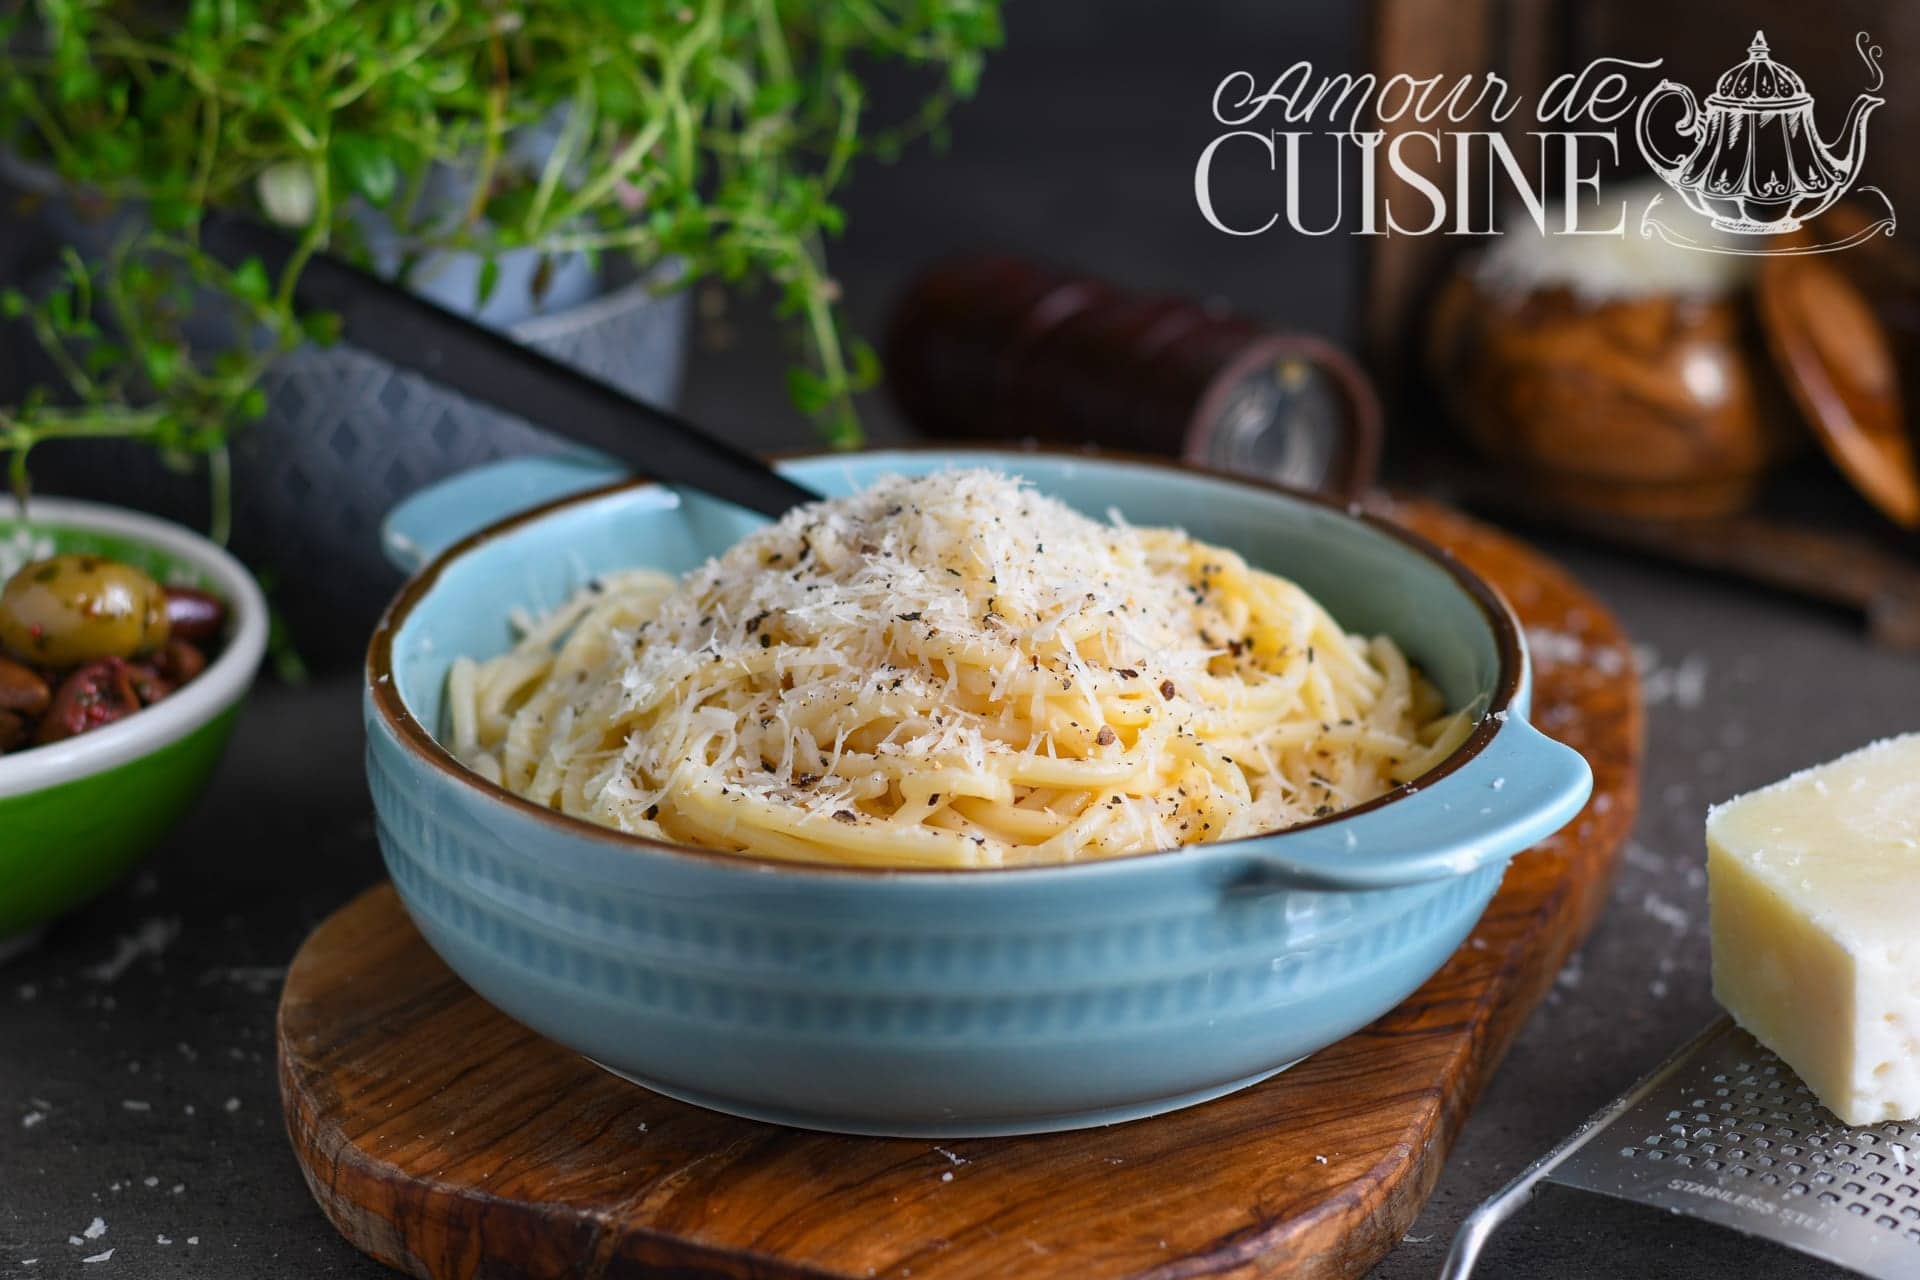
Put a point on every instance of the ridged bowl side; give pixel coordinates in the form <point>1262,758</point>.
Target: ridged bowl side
<point>859,1003</point>
<point>922,1002</point>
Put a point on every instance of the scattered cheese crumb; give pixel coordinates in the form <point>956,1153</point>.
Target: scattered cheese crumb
<point>1685,686</point>
<point>102,1256</point>
<point>232,1104</point>
<point>150,939</point>
<point>1673,916</point>
<point>1638,855</point>
<point>1573,972</point>
<point>95,1229</point>
<point>258,979</point>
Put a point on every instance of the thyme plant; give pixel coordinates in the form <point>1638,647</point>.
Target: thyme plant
<point>712,131</point>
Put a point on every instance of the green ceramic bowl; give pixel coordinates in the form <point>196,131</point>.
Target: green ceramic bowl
<point>75,815</point>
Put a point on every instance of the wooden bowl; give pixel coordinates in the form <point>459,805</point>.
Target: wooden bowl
<point>1659,405</point>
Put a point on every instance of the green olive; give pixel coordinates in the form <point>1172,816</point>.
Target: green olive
<point>81,608</point>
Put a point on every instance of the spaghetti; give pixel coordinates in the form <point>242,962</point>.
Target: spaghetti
<point>948,671</point>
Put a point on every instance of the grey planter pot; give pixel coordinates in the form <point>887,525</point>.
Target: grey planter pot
<point>345,437</point>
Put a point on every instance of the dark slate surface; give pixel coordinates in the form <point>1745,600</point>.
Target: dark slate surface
<point>136,1082</point>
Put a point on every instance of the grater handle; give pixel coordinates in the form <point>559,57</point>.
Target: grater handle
<point>1482,1222</point>
<point>1503,1204</point>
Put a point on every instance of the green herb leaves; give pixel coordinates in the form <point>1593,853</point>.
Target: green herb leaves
<point>711,131</point>
<point>366,165</point>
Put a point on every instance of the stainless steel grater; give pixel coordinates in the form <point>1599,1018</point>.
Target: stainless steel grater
<point>1723,1130</point>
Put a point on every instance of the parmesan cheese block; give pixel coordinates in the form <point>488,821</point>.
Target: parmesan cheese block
<point>1815,891</point>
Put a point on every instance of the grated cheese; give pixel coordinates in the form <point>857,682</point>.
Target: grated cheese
<point>986,673</point>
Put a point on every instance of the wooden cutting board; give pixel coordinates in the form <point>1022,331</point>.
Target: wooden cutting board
<point>446,1140</point>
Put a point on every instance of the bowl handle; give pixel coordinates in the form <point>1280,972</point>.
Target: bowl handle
<point>419,528</point>
<point>1520,788</point>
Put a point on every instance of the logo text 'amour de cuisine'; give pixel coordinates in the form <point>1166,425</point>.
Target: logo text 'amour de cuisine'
<point>1576,142</point>
<point>1752,162</point>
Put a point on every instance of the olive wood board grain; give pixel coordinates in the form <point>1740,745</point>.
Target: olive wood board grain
<point>448,1141</point>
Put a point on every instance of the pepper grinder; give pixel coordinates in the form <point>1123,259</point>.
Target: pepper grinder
<point>997,347</point>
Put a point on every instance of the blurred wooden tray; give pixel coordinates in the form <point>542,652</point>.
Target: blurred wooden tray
<point>448,1141</point>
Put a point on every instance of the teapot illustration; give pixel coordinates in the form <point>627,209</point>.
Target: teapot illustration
<point>1757,165</point>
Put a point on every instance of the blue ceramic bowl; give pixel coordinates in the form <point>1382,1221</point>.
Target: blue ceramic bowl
<point>943,1003</point>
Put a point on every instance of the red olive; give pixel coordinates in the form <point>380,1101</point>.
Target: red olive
<point>13,731</point>
<point>22,691</point>
<point>149,684</point>
<point>179,662</point>
<point>194,614</point>
<point>96,694</point>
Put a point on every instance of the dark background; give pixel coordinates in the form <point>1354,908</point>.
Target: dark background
<point>1079,149</point>
<point>1079,152</point>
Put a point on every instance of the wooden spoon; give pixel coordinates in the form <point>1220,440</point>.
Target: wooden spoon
<point>1839,362</point>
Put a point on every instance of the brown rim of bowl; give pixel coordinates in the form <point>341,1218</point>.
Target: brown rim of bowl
<point>415,737</point>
